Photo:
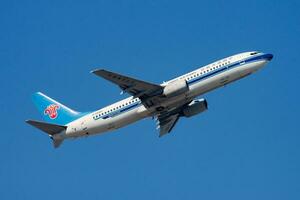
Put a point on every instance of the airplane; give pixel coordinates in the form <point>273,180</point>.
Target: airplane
<point>166,102</point>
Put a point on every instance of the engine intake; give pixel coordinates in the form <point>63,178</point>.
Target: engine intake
<point>176,88</point>
<point>195,107</point>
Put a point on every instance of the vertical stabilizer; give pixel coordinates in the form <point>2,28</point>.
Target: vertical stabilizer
<point>53,111</point>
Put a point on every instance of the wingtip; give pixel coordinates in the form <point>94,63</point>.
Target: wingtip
<point>28,121</point>
<point>31,121</point>
<point>37,95</point>
<point>93,71</point>
<point>38,92</point>
<point>96,70</point>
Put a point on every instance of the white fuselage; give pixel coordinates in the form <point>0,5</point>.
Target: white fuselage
<point>200,81</point>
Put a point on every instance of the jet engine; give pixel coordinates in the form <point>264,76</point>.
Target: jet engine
<point>176,88</point>
<point>195,107</point>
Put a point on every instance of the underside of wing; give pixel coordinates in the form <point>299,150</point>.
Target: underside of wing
<point>135,87</point>
<point>167,123</point>
<point>166,120</point>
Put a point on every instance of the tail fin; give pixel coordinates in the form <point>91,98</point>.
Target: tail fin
<point>53,111</point>
<point>52,130</point>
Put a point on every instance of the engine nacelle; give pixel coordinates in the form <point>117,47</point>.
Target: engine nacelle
<point>195,107</point>
<point>176,88</point>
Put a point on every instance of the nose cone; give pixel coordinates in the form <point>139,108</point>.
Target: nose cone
<point>268,56</point>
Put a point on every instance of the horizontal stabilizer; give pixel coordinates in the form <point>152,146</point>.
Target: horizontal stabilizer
<point>51,129</point>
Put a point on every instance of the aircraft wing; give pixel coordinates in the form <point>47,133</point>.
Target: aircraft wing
<point>166,120</point>
<point>165,124</point>
<point>135,87</point>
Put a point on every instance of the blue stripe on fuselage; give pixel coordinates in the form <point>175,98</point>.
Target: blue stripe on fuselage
<point>225,67</point>
<point>117,112</point>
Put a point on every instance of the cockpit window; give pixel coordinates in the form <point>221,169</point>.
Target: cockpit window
<point>253,53</point>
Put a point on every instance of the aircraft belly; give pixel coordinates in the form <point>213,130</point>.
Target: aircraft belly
<point>126,118</point>
<point>100,127</point>
<point>251,67</point>
<point>118,121</point>
<point>225,78</point>
<point>214,82</point>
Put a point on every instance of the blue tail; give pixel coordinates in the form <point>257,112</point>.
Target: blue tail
<point>53,111</point>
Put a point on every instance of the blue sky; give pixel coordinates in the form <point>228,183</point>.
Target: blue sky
<point>245,147</point>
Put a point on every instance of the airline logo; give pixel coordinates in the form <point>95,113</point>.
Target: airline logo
<point>51,111</point>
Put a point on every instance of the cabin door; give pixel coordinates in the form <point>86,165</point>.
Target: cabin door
<point>83,125</point>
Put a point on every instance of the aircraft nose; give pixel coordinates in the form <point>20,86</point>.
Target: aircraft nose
<point>268,56</point>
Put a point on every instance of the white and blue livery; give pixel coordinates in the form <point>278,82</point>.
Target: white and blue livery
<point>165,102</point>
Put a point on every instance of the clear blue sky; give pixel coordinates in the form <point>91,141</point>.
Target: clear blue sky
<point>247,146</point>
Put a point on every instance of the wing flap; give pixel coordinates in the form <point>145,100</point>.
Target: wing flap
<point>166,124</point>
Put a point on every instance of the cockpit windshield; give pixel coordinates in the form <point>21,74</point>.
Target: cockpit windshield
<point>253,53</point>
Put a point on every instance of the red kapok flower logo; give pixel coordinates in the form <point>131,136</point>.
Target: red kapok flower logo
<point>51,111</point>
